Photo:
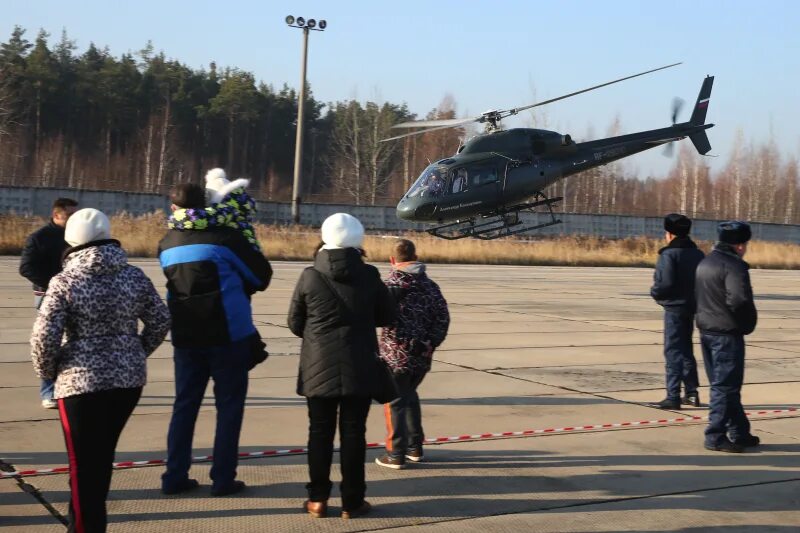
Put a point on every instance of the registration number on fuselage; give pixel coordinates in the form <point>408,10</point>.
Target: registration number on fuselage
<point>611,152</point>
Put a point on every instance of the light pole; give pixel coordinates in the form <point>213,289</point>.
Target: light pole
<point>306,26</point>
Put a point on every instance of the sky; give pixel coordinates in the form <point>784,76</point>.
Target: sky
<point>487,55</point>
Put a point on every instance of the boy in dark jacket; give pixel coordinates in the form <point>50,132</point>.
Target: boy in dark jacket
<point>673,289</point>
<point>725,314</point>
<point>41,261</point>
<point>407,347</point>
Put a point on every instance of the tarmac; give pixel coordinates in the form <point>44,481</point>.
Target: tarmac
<point>529,348</point>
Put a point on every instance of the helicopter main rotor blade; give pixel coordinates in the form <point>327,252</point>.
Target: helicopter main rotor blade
<point>462,123</point>
<point>433,123</point>
<point>516,110</point>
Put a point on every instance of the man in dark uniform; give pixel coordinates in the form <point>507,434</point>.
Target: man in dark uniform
<point>41,260</point>
<point>725,314</point>
<point>673,289</point>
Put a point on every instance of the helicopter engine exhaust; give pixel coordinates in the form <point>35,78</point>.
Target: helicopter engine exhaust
<point>566,140</point>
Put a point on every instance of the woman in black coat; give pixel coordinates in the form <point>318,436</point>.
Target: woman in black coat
<point>336,306</point>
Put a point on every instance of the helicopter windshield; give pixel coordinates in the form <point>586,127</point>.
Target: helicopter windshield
<point>430,183</point>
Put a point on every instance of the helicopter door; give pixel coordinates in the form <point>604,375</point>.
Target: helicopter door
<point>474,184</point>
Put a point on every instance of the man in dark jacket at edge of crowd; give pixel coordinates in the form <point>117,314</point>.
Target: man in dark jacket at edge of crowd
<point>725,314</point>
<point>673,289</point>
<point>211,275</point>
<point>407,347</point>
<point>40,261</point>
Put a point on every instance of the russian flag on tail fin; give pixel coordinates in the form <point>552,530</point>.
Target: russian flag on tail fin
<point>701,107</point>
<point>700,139</point>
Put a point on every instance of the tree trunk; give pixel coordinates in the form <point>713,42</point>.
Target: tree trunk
<point>406,163</point>
<point>231,133</point>
<point>357,154</point>
<point>163,152</point>
<point>38,120</point>
<point>147,157</point>
<point>108,147</point>
<point>684,173</point>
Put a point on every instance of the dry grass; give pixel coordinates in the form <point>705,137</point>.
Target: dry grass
<point>140,235</point>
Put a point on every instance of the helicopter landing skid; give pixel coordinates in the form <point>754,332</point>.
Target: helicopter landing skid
<point>500,225</point>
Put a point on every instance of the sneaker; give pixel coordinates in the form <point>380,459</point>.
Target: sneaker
<point>388,461</point>
<point>692,399</point>
<point>186,485</point>
<point>673,405</point>
<point>361,510</point>
<point>49,404</point>
<point>748,441</point>
<point>415,456</point>
<point>725,446</point>
<point>235,487</point>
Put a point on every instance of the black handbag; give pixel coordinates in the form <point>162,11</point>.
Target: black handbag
<point>258,351</point>
<point>382,386</point>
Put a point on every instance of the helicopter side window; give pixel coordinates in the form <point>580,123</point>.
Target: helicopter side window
<point>460,181</point>
<point>482,176</point>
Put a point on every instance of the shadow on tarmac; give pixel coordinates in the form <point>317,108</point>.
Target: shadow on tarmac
<point>457,483</point>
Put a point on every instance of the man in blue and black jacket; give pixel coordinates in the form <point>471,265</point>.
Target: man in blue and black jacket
<point>211,275</point>
<point>673,289</point>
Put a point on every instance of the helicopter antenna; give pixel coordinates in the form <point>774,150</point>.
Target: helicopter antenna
<point>492,118</point>
<point>503,156</point>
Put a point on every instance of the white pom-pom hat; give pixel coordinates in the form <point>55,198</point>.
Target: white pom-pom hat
<point>87,225</point>
<point>218,186</point>
<point>341,230</point>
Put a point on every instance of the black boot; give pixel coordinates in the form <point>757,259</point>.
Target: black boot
<point>691,398</point>
<point>673,405</point>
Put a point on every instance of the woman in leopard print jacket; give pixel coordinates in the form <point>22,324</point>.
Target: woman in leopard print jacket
<point>86,338</point>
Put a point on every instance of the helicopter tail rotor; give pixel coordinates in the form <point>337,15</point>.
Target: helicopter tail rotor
<point>677,105</point>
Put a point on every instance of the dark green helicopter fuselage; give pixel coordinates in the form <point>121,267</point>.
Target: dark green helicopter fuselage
<point>495,172</point>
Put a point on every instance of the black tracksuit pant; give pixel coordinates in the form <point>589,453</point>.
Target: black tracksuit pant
<point>353,413</point>
<point>92,424</point>
<point>404,418</point>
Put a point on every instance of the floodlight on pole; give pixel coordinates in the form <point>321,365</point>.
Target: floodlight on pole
<point>301,23</point>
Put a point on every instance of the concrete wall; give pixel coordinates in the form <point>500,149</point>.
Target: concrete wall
<point>38,201</point>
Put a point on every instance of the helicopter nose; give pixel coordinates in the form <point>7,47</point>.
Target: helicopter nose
<point>404,210</point>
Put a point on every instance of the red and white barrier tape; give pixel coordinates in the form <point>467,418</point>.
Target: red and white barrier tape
<point>438,440</point>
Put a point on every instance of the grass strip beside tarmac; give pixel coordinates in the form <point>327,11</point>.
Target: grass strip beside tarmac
<point>140,235</point>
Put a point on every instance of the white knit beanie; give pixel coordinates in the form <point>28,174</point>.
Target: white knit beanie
<point>87,225</point>
<point>218,186</point>
<point>341,230</point>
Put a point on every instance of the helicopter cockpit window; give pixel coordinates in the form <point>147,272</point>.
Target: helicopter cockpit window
<point>430,183</point>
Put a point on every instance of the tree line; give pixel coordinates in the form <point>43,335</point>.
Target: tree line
<point>142,122</point>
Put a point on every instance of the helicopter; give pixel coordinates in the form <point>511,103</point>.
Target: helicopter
<point>481,190</point>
